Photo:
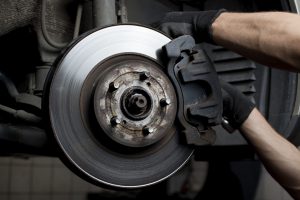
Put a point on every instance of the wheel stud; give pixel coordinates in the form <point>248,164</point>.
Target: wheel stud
<point>144,76</point>
<point>164,102</point>
<point>148,130</point>
<point>115,121</point>
<point>113,86</point>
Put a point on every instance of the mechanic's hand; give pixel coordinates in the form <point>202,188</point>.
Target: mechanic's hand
<point>236,106</point>
<point>197,24</point>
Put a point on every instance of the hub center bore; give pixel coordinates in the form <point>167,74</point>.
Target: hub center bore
<point>136,103</point>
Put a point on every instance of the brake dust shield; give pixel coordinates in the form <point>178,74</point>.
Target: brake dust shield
<point>112,108</point>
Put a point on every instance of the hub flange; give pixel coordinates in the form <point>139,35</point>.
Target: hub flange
<point>136,102</point>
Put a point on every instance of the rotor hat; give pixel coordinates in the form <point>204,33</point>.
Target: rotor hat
<point>135,102</point>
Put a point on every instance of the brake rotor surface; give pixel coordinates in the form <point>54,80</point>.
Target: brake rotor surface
<point>112,108</point>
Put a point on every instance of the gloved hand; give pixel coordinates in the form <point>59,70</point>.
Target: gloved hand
<point>236,106</point>
<point>196,24</point>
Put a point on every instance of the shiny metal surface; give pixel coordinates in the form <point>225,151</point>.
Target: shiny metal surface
<point>95,158</point>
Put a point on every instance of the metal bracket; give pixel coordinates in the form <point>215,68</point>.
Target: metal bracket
<point>198,90</point>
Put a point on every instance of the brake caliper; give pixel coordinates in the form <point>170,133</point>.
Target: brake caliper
<point>198,90</point>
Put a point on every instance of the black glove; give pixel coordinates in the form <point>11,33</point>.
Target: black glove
<point>197,24</point>
<point>236,106</point>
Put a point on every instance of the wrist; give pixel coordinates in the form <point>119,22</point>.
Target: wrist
<point>251,119</point>
<point>203,24</point>
<point>216,28</point>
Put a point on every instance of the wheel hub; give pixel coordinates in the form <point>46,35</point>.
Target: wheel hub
<point>129,91</point>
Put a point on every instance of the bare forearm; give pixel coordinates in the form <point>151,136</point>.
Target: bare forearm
<point>270,38</point>
<point>280,157</point>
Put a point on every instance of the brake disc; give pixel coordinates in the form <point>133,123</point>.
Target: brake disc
<point>112,108</point>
